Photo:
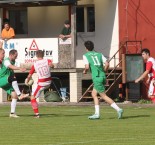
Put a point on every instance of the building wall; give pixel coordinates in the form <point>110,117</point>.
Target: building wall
<point>105,36</point>
<point>137,23</point>
<point>46,22</point>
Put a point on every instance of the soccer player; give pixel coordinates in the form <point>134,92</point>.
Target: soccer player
<point>42,68</point>
<point>98,65</point>
<point>7,77</point>
<point>150,72</point>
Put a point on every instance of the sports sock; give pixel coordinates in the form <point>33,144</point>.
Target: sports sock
<point>16,87</point>
<point>153,100</point>
<point>34,105</point>
<point>114,105</point>
<point>13,105</point>
<point>97,109</point>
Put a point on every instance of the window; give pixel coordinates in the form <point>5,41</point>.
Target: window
<point>85,19</point>
<point>18,20</point>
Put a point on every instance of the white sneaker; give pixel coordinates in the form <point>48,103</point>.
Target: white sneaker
<point>22,96</point>
<point>93,117</point>
<point>13,116</point>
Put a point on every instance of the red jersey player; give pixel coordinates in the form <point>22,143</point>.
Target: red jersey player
<point>150,71</point>
<point>42,68</point>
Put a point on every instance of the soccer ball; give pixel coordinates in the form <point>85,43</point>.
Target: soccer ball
<point>30,82</point>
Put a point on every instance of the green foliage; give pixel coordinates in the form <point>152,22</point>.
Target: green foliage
<point>69,125</point>
<point>143,101</point>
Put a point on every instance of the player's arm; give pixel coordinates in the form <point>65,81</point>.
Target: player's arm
<point>50,63</point>
<point>13,67</point>
<point>142,76</point>
<point>106,66</point>
<point>30,74</point>
<point>1,44</point>
<point>86,68</point>
<point>105,63</point>
<point>86,64</point>
<point>147,71</point>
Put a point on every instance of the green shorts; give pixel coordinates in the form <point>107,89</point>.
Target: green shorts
<point>5,85</point>
<point>99,83</point>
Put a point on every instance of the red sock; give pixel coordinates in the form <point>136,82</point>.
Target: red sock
<point>153,100</point>
<point>34,105</point>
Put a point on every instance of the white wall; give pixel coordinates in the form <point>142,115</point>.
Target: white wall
<point>46,21</point>
<point>106,34</point>
<point>1,16</point>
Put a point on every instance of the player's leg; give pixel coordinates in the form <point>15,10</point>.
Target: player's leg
<point>96,103</point>
<point>151,91</point>
<point>9,89</point>
<point>12,80</point>
<point>35,94</point>
<point>99,86</point>
<point>13,104</point>
<point>112,104</point>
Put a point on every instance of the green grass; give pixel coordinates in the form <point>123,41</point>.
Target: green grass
<point>69,125</point>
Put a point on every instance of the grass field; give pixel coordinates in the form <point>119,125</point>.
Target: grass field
<point>69,125</point>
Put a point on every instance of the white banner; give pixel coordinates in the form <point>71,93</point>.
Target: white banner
<point>27,48</point>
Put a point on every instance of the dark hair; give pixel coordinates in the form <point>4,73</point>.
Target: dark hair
<point>145,50</point>
<point>12,52</point>
<point>67,22</point>
<point>40,53</point>
<point>6,23</point>
<point>89,45</point>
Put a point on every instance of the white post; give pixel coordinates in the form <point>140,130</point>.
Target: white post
<point>75,86</point>
<point>3,96</point>
<point>1,16</point>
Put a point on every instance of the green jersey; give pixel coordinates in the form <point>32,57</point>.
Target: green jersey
<point>4,70</point>
<point>66,31</point>
<point>96,61</point>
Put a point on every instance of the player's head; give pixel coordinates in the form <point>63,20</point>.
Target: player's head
<point>145,53</point>
<point>89,45</point>
<point>13,54</point>
<point>6,26</point>
<point>67,23</point>
<point>40,54</point>
<point>2,54</point>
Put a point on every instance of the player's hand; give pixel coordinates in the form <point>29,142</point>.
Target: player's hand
<point>137,80</point>
<point>148,81</point>
<point>22,69</point>
<point>84,72</point>
<point>1,44</point>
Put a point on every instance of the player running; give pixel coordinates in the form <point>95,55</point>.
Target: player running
<point>98,65</point>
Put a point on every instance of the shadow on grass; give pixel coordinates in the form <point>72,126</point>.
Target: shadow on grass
<point>53,115</point>
<point>135,116</point>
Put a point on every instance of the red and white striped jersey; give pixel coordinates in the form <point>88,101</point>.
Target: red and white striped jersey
<point>150,66</point>
<point>42,68</point>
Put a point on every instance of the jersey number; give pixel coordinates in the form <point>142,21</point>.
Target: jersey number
<point>43,71</point>
<point>95,60</point>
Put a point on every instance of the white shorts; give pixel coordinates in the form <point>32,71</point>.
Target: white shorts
<point>151,91</point>
<point>38,89</point>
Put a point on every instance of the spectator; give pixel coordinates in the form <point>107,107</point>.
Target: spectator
<point>7,32</point>
<point>66,31</point>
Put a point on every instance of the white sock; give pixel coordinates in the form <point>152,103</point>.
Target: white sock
<point>97,109</point>
<point>13,105</point>
<point>113,105</point>
<point>16,88</point>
